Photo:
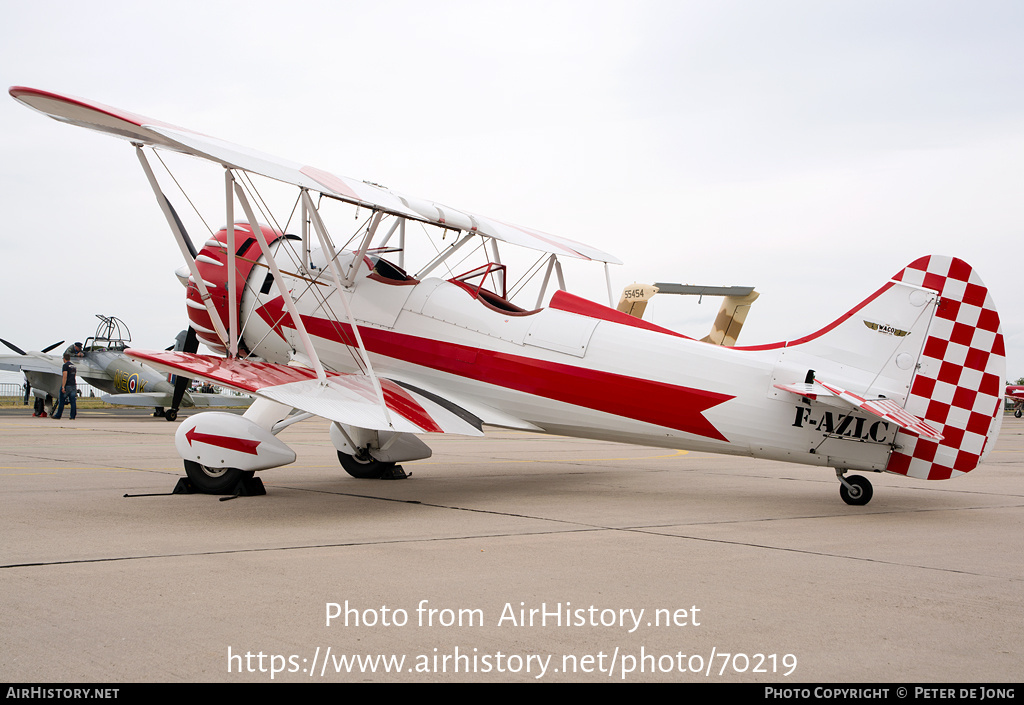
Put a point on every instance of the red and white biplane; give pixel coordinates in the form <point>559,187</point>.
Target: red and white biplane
<point>909,381</point>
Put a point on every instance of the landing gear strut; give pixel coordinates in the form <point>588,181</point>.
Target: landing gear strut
<point>855,489</point>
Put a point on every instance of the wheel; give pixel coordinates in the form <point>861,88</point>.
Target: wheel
<point>860,492</point>
<point>368,469</point>
<point>214,480</point>
<point>171,414</point>
<point>1018,413</point>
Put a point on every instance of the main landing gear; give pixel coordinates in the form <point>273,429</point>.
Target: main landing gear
<point>169,414</point>
<point>366,468</point>
<point>855,489</point>
<point>209,480</point>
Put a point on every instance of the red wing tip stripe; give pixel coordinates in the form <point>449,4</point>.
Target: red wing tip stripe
<point>404,404</point>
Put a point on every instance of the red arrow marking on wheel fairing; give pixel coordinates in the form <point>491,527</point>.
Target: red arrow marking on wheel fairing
<point>239,444</point>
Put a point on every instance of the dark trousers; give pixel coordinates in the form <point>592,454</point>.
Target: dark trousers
<point>70,392</point>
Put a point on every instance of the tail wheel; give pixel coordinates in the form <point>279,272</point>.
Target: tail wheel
<point>215,480</point>
<point>1018,413</point>
<point>364,469</point>
<point>859,493</point>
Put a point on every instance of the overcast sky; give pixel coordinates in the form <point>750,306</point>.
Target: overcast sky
<point>810,149</point>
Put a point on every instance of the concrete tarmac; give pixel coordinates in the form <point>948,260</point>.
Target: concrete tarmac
<point>514,557</point>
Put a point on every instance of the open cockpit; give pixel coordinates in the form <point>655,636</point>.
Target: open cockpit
<point>475,282</point>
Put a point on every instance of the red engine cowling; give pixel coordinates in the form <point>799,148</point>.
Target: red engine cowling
<point>212,265</point>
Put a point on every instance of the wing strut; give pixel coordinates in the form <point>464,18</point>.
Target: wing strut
<point>400,226</point>
<point>544,282</point>
<point>229,181</point>
<point>608,283</point>
<point>443,255</point>
<point>370,232</point>
<point>325,243</point>
<point>183,244</point>
<point>307,344</point>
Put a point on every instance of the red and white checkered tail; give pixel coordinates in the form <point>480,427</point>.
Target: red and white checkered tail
<point>958,384</point>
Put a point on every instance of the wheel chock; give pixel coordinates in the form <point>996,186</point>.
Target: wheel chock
<point>184,487</point>
<point>246,487</point>
<point>250,487</point>
<point>395,473</point>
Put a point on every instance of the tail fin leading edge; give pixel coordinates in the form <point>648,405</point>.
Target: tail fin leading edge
<point>958,385</point>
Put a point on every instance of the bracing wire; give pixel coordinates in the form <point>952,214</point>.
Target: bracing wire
<point>182,190</point>
<point>527,276</point>
<point>314,282</point>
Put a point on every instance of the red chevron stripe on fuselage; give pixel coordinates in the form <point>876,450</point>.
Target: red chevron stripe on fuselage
<point>660,403</point>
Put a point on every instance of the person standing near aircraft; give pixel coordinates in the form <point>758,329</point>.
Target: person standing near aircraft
<point>68,387</point>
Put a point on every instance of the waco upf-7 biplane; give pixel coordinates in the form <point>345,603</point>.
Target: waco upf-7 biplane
<point>909,381</point>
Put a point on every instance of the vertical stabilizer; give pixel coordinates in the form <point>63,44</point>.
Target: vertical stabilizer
<point>958,383</point>
<point>731,317</point>
<point>635,297</point>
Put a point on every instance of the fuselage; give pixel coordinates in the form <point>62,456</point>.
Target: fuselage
<point>108,371</point>
<point>556,370</point>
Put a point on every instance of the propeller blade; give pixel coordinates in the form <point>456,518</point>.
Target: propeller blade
<point>46,350</point>
<point>13,347</point>
<point>181,227</point>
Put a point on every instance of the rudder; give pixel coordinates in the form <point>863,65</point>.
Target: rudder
<point>958,385</point>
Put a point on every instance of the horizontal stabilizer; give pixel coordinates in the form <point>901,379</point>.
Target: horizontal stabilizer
<point>885,409</point>
<point>888,410</point>
<point>345,398</point>
<point>805,389</point>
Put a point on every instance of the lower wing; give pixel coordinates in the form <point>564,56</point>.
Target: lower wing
<point>196,399</point>
<point>345,398</point>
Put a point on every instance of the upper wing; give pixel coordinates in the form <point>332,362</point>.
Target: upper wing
<point>345,398</point>
<point>136,128</point>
